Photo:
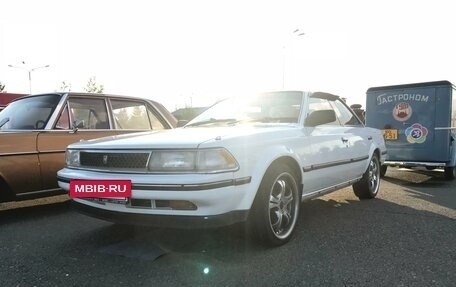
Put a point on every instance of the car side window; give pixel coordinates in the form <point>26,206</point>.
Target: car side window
<point>318,104</point>
<point>89,113</point>
<point>134,115</point>
<point>64,120</point>
<point>156,123</point>
<point>346,117</point>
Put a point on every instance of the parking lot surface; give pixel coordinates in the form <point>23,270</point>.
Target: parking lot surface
<point>404,237</point>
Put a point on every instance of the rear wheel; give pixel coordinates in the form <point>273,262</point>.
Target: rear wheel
<point>276,208</point>
<point>369,184</point>
<point>450,172</point>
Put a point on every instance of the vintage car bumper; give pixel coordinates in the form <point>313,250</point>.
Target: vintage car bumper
<point>168,221</point>
<point>208,199</point>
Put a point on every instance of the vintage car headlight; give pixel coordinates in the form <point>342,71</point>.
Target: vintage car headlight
<point>205,160</point>
<point>72,157</point>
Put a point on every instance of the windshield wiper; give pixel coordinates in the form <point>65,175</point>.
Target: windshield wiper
<point>4,121</point>
<point>213,121</point>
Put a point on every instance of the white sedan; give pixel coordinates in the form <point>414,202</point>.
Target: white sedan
<point>250,159</point>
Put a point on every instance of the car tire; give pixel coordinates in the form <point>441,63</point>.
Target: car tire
<point>275,210</point>
<point>369,184</point>
<point>383,169</point>
<point>450,172</point>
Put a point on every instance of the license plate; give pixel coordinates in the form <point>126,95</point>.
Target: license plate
<point>116,189</point>
<point>390,134</point>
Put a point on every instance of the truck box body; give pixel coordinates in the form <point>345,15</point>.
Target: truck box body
<point>418,121</point>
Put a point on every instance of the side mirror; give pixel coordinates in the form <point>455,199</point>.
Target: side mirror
<point>77,124</point>
<point>320,117</point>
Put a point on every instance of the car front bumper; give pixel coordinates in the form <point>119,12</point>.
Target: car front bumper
<point>209,199</point>
<point>168,221</point>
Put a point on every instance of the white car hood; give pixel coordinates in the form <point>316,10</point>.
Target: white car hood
<point>190,137</point>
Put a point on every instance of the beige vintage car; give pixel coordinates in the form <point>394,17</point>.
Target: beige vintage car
<point>35,131</point>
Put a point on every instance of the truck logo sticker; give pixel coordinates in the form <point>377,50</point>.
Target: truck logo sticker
<point>402,111</point>
<point>416,133</point>
<point>385,98</point>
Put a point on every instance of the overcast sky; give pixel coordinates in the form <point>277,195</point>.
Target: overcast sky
<point>186,52</point>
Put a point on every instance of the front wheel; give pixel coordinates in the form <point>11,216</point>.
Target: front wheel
<point>369,184</point>
<point>276,206</point>
<point>450,172</point>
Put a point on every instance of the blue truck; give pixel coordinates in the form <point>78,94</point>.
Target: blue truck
<point>418,123</point>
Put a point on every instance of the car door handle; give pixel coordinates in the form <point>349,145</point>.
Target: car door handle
<point>369,138</point>
<point>344,139</point>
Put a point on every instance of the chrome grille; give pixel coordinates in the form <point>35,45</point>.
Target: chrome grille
<point>114,160</point>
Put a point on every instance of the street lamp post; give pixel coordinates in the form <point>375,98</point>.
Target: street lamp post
<point>296,33</point>
<point>29,73</point>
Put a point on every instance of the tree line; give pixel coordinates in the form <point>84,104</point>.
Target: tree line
<point>91,87</point>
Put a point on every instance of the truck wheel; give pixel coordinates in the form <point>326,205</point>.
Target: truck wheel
<point>276,207</point>
<point>383,169</point>
<point>450,172</point>
<point>369,184</point>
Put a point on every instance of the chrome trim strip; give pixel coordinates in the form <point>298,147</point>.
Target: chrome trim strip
<point>414,163</point>
<point>184,187</point>
<point>333,163</point>
<point>52,151</point>
<point>19,153</point>
<point>361,158</point>
<point>32,152</point>
<point>444,128</point>
<point>194,187</point>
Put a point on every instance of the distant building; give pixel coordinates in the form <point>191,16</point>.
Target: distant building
<point>6,98</point>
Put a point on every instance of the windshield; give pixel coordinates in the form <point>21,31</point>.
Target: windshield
<point>283,107</point>
<point>29,113</point>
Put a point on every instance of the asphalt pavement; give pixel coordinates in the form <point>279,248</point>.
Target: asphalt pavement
<point>404,237</point>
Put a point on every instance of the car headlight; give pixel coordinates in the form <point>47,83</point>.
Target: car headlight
<point>204,160</point>
<point>72,157</point>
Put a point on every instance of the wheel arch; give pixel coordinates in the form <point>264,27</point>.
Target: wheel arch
<point>375,151</point>
<point>378,154</point>
<point>286,159</point>
<point>291,162</point>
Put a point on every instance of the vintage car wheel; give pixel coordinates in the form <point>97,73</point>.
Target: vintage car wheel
<point>369,184</point>
<point>450,172</point>
<point>276,207</point>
